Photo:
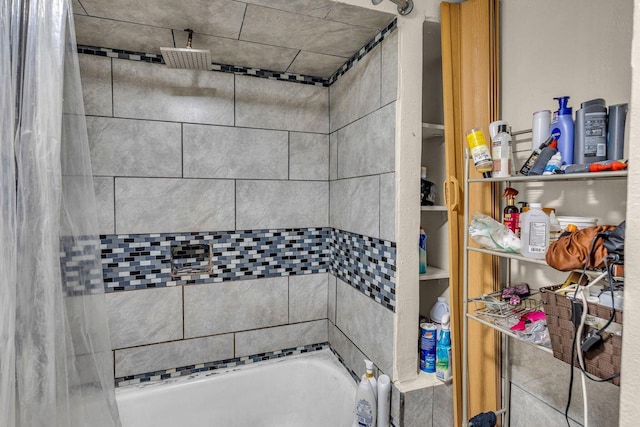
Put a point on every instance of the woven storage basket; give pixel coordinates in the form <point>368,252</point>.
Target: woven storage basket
<point>602,361</point>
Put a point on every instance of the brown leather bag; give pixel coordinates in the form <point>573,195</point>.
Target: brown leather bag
<point>570,252</point>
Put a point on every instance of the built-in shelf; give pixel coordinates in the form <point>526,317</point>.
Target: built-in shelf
<point>506,332</point>
<point>434,273</point>
<point>558,177</point>
<point>433,208</point>
<point>432,130</point>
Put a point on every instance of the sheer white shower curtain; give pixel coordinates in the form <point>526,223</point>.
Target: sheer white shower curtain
<point>55,352</point>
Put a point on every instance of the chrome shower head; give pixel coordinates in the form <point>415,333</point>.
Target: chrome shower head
<point>187,57</point>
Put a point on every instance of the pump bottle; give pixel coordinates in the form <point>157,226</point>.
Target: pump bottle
<point>561,129</point>
<point>366,405</point>
<point>370,377</point>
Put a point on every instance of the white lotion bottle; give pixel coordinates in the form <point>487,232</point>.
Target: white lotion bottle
<point>366,405</point>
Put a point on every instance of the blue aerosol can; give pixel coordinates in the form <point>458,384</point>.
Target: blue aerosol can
<point>561,129</point>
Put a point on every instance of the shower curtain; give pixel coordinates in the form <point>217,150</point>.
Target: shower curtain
<point>55,350</point>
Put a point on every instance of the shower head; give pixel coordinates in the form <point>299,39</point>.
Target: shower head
<point>187,57</point>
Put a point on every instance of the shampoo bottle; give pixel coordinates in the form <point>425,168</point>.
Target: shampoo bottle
<point>443,352</point>
<point>615,134</point>
<point>501,153</point>
<point>591,132</point>
<point>366,405</point>
<point>370,377</point>
<point>535,232</point>
<point>561,129</point>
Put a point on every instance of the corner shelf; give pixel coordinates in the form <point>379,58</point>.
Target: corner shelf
<point>432,130</point>
<point>434,273</point>
<point>433,208</point>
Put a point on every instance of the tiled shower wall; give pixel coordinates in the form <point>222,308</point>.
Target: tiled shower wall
<point>177,152</point>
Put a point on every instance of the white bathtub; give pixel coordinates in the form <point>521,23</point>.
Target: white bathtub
<point>307,390</point>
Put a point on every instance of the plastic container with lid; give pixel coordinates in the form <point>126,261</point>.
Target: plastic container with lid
<point>579,221</point>
<point>439,309</point>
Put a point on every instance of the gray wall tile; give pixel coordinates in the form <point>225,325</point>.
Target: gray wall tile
<point>278,338</point>
<point>367,146</point>
<point>95,73</point>
<point>356,15</point>
<point>217,308</point>
<point>525,408</point>
<point>164,205</point>
<point>280,28</point>
<point>105,204</point>
<point>145,316</point>
<point>77,8</point>
<point>227,152</point>
<point>356,93</point>
<point>215,17</point>
<point>241,53</point>
<point>545,378</point>
<point>272,104</point>
<point>122,147</point>
<point>307,297</point>
<point>417,408</point>
<point>281,204</point>
<point>389,68</point>
<point>308,156</point>
<point>367,324</point>
<point>316,64</point>
<point>388,206</point>
<point>174,354</point>
<point>333,156</point>
<point>351,355</point>
<point>112,34</point>
<point>355,205</point>
<point>147,91</point>
<point>443,405</point>
<point>331,298</point>
<point>317,8</point>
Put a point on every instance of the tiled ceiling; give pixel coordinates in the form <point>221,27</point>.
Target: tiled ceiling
<point>309,37</point>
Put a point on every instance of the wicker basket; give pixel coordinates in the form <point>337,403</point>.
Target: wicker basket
<point>602,361</point>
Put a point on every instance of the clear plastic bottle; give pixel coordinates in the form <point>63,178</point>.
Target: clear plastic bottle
<point>535,232</point>
<point>501,153</point>
<point>555,229</point>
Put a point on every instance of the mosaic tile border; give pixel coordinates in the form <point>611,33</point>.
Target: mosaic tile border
<point>247,71</point>
<point>366,263</point>
<point>141,261</point>
<point>212,366</point>
<point>80,268</point>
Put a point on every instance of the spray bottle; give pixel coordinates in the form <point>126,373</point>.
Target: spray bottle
<point>561,129</point>
<point>511,213</point>
<point>443,352</point>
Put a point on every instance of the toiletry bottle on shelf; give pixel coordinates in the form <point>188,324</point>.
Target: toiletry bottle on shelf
<point>553,164</point>
<point>443,352</point>
<point>501,153</point>
<point>615,131</point>
<point>590,132</point>
<point>422,248</point>
<point>555,229</point>
<point>439,309</point>
<point>561,129</point>
<point>480,152</point>
<point>535,232</point>
<point>533,157</point>
<point>427,189</point>
<point>366,405</point>
<point>511,214</point>
<point>524,207</point>
<point>543,159</point>
<point>369,374</point>
<point>384,400</point>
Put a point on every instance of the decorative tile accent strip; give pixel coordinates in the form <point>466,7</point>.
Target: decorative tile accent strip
<point>247,71</point>
<point>212,366</point>
<point>140,261</point>
<point>366,263</point>
<point>80,266</point>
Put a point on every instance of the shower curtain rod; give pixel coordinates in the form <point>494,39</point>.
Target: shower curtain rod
<point>404,6</point>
